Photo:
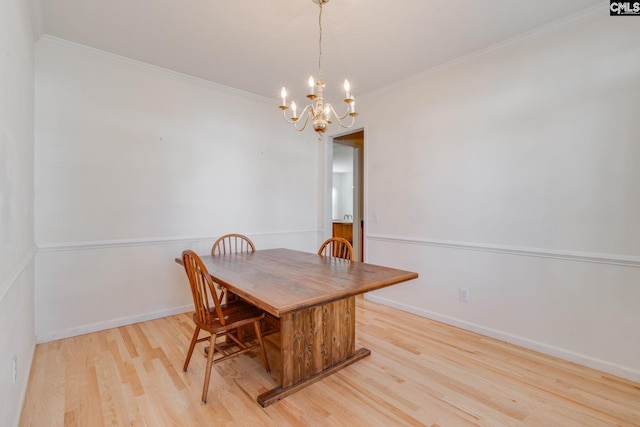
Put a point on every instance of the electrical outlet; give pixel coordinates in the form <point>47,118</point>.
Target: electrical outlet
<point>463,294</point>
<point>15,368</point>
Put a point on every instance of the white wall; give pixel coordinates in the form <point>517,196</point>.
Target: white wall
<point>135,164</point>
<point>17,247</point>
<point>516,174</point>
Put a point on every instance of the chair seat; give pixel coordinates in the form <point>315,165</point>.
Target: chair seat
<point>236,313</point>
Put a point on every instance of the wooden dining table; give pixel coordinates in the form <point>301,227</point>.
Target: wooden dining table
<point>313,298</point>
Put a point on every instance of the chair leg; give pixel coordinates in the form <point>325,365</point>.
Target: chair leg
<point>256,326</point>
<point>191,347</point>
<point>207,373</point>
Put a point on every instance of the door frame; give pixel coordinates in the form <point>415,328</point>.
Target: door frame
<point>359,188</point>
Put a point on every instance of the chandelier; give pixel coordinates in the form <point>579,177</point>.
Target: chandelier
<point>317,110</point>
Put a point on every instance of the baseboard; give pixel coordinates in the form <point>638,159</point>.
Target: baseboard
<point>560,353</point>
<point>25,385</point>
<point>115,323</point>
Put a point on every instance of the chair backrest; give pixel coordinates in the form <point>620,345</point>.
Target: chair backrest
<point>202,289</point>
<point>337,247</point>
<point>232,243</point>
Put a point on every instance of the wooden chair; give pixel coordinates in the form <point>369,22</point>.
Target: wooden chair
<point>238,243</point>
<point>231,244</point>
<point>218,319</point>
<point>337,247</point>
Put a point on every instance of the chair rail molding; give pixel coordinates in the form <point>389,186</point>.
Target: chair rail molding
<point>10,279</point>
<point>153,241</point>
<point>597,258</point>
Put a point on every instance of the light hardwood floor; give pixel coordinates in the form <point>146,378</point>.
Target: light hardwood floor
<point>420,372</point>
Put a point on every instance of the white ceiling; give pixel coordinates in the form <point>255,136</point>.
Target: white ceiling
<point>260,45</point>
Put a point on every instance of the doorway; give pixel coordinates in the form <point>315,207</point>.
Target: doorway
<point>347,190</point>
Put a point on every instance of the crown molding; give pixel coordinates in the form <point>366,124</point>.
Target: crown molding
<point>554,27</point>
<point>35,11</point>
<point>50,40</point>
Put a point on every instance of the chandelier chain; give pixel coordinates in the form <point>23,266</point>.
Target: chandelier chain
<point>320,42</point>
<point>320,113</point>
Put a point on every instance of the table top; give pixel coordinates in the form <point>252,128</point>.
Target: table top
<point>282,281</point>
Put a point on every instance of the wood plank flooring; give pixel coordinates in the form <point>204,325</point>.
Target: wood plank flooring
<point>420,373</point>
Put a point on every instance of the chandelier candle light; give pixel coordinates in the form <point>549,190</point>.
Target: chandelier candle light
<point>317,110</point>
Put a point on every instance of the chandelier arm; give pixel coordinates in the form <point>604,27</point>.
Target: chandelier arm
<point>284,114</point>
<point>339,117</point>
<point>353,120</point>
<point>306,120</point>
<point>292,122</point>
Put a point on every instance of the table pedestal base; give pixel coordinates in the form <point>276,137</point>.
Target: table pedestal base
<point>272,396</point>
<point>314,343</point>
